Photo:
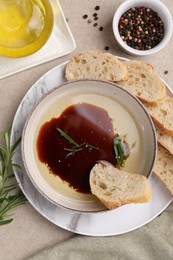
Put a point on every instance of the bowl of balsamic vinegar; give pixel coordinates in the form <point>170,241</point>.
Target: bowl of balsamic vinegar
<point>75,128</point>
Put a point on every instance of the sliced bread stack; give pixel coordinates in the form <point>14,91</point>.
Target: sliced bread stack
<point>162,116</point>
<point>140,79</point>
<point>164,139</point>
<point>164,167</point>
<point>145,84</point>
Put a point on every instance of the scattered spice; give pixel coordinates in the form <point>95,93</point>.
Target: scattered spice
<point>95,18</point>
<point>90,21</point>
<point>85,16</point>
<point>141,28</point>
<point>97,8</point>
<point>106,48</point>
<point>165,72</point>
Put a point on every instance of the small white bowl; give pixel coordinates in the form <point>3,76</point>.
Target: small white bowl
<point>129,117</point>
<point>156,6</point>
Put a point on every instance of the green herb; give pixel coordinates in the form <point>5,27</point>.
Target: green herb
<point>75,146</point>
<point>8,200</point>
<point>121,153</point>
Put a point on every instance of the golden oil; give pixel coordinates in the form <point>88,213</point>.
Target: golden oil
<point>22,22</point>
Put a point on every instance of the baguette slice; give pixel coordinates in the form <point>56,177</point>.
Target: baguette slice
<point>96,65</point>
<point>162,114</point>
<point>164,167</point>
<point>114,187</point>
<point>143,82</point>
<point>164,139</point>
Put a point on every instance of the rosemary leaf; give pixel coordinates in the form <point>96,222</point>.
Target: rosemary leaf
<point>4,222</point>
<point>77,147</point>
<point>121,153</point>
<point>67,137</point>
<point>8,200</point>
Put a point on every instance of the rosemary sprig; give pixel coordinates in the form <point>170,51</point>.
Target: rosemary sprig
<point>121,153</point>
<point>67,137</point>
<point>75,146</point>
<point>8,200</point>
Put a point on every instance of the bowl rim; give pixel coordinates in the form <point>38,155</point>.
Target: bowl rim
<point>157,6</point>
<point>54,89</point>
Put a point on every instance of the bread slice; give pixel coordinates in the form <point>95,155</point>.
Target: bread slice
<point>164,139</point>
<point>96,65</point>
<point>143,82</point>
<point>114,187</point>
<point>162,114</point>
<point>164,167</point>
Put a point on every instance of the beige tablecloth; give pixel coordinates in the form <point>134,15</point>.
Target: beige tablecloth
<point>30,232</point>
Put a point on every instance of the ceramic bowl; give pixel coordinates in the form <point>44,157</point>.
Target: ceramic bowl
<point>25,26</point>
<point>128,117</point>
<point>156,6</point>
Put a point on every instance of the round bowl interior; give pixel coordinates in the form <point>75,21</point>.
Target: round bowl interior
<point>156,6</point>
<point>128,118</point>
<point>30,31</point>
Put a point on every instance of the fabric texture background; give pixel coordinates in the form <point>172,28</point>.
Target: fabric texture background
<point>152,241</point>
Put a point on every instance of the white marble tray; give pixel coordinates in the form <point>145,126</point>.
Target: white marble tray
<point>60,43</point>
<point>121,220</point>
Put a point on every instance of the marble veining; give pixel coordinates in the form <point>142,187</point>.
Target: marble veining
<point>96,224</point>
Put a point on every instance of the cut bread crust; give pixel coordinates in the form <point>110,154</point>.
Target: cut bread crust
<point>114,187</point>
<point>96,65</point>
<point>140,79</point>
<point>164,139</point>
<point>164,167</point>
<point>162,114</point>
<point>143,82</point>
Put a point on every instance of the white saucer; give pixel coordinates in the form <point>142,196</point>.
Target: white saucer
<point>54,48</point>
<point>114,222</point>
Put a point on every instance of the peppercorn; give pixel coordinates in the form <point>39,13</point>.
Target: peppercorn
<point>95,24</point>
<point>141,28</point>
<point>95,14</point>
<point>101,28</point>
<point>85,16</point>
<point>97,7</point>
<point>107,48</point>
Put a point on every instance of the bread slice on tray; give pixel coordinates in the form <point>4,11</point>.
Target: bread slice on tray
<point>96,65</point>
<point>164,139</point>
<point>143,82</point>
<point>162,114</point>
<point>114,187</point>
<point>164,167</point>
